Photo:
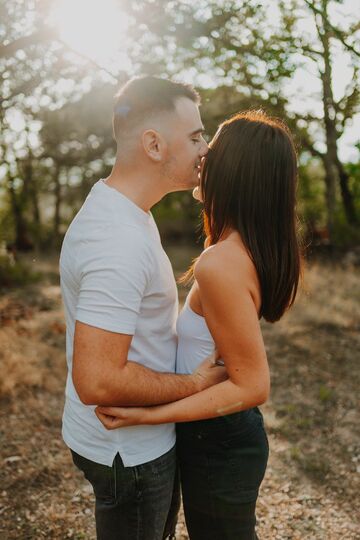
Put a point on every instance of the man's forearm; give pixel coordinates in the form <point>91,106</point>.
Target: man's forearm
<point>135,384</point>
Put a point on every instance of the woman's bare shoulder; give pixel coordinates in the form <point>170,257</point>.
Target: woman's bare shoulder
<point>227,264</point>
<point>207,263</point>
<point>228,256</point>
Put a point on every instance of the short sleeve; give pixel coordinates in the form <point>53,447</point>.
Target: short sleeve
<point>113,283</point>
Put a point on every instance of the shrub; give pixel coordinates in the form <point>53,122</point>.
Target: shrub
<point>14,273</point>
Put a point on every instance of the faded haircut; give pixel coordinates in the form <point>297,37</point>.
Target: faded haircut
<point>143,97</point>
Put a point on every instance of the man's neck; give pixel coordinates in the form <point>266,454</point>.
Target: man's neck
<point>136,186</point>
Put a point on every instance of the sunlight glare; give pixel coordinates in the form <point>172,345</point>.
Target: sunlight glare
<point>96,29</point>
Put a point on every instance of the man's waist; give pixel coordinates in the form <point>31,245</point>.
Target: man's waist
<point>84,433</point>
<point>82,422</point>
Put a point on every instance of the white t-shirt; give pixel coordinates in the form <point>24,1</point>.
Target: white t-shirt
<point>116,276</point>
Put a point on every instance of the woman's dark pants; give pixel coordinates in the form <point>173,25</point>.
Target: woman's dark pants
<point>134,503</point>
<point>222,463</point>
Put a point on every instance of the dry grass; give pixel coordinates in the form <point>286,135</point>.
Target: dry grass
<point>311,417</point>
<point>28,332</point>
<point>312,482</point>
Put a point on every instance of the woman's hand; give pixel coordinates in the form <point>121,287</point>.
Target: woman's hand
<point>116,417</point>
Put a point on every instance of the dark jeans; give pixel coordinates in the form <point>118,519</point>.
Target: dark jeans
<point>222,463</point>
<point>134,503</point>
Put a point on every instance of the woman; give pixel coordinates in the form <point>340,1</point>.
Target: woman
<point>249,270</point>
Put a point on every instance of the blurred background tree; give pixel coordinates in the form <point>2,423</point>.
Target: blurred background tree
<point>59,70</point>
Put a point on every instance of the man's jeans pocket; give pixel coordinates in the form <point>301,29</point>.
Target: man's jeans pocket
<point>101,477</point>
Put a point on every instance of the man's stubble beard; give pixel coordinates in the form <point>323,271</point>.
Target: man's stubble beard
<point>175,182</point>
<point>168,173</point>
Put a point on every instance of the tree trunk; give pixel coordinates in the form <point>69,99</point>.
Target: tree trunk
<point>330,182</point>
<point>334,169</point>
<point>57,209</point>
<point>331,157</point>
<point>347,198</point>
<point>22,242</point>
<point>32,194</point>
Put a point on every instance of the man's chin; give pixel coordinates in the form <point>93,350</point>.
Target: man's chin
<point>181,187</point>
<point>186,185</point>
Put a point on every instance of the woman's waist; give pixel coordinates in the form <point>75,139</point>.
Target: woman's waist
<point>190,355</point>
<point>221,426</point>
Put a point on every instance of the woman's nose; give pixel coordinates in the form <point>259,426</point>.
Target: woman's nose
<point>204,148</point>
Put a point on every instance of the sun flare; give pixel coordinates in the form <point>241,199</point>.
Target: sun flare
<point>96,29</point>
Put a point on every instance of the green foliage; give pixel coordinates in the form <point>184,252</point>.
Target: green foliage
<point>295,453</point>
<point>239,58</point>
<point>178,217</point>
<point>325,393</point>
<point>353,169</point>
<point>7,231</point>
<point>345,235</point>
<point>15,273</point>
<point>311,194</point>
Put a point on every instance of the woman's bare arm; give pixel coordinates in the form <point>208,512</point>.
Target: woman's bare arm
<point>226,284</point>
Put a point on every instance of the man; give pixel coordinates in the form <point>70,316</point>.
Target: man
<point>120,301</point>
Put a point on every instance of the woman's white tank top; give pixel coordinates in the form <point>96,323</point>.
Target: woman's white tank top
<point>195,342</point>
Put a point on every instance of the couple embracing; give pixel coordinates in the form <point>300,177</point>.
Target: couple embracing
<point>151,396</point>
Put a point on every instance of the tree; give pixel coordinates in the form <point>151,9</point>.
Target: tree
<point>252,59</point>
<point>38,76</point>
<point>336,113</point>
<point>240,54</point>
<point>77,144</point>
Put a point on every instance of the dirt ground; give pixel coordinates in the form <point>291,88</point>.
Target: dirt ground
<point>311,486</point>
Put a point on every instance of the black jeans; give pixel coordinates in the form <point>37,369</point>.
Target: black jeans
<point>134,503</point>
<point>222,463</point>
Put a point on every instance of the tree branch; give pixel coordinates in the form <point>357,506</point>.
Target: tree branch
<point>338,33</point>
<point>39,36</point>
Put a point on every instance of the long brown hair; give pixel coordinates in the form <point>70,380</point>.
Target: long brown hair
<point>248,184</point>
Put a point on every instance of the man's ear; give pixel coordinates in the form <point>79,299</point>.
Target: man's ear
<point>153,144</point>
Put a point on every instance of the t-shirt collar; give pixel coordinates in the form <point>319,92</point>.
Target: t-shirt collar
<point>138,212</point>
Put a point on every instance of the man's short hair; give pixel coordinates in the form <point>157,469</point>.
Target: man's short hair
<point>143,97</point>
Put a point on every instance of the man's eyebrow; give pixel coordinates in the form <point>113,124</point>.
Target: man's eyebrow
<point>197,131</point>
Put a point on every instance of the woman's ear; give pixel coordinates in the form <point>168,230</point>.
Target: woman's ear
<point>153,144</point>
<point>197,194</point>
